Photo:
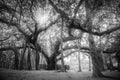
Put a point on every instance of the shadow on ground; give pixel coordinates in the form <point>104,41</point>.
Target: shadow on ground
<point>6,74</point>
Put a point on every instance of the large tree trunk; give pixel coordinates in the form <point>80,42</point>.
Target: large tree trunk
<point>97,65</point>
<point>51,64</point>
<point>96,57</point>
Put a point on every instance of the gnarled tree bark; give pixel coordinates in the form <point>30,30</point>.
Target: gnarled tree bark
<point>51,64</point>
<point>97,65</point>
<point>96,57</point>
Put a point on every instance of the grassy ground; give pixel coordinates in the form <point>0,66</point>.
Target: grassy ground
<point>6,74</point>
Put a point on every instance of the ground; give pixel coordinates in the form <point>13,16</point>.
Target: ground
<point>6,74</point>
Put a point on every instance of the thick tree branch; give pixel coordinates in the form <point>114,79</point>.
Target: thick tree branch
<point>76,47</point>
<point>13,24</point>
<point>5,38</point>
<point>77,7</point>
<point>70,38</point>
<point>9,48</point>
<point>62,13</point>
<point>77,50</point>
<point>67,55</point>
<point>42,51</point>
<point>12,48</point>
<point>4,7</point>
<point>30,29</point>
<point>109,51</point>
<point>52,23</point>
<point>76,24</point>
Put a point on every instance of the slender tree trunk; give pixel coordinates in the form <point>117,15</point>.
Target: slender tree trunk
<point>37,60</point>
<point>111,64</point>
<point>63,65</point>
<point>118,65</point>
<point>16,60</point>
<point>62,62</point>
<point>79,62</point>
<point>118,60</point>
<point>41,59</point>
<point>22,58</point>
<point>29,59</point>
<point>22,61</point>
<point>62,58</point>
<point>29,62</point>
<point>90,67</point>
<point>104,63</point>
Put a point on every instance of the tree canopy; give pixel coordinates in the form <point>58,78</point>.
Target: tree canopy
<point>51,27</point>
